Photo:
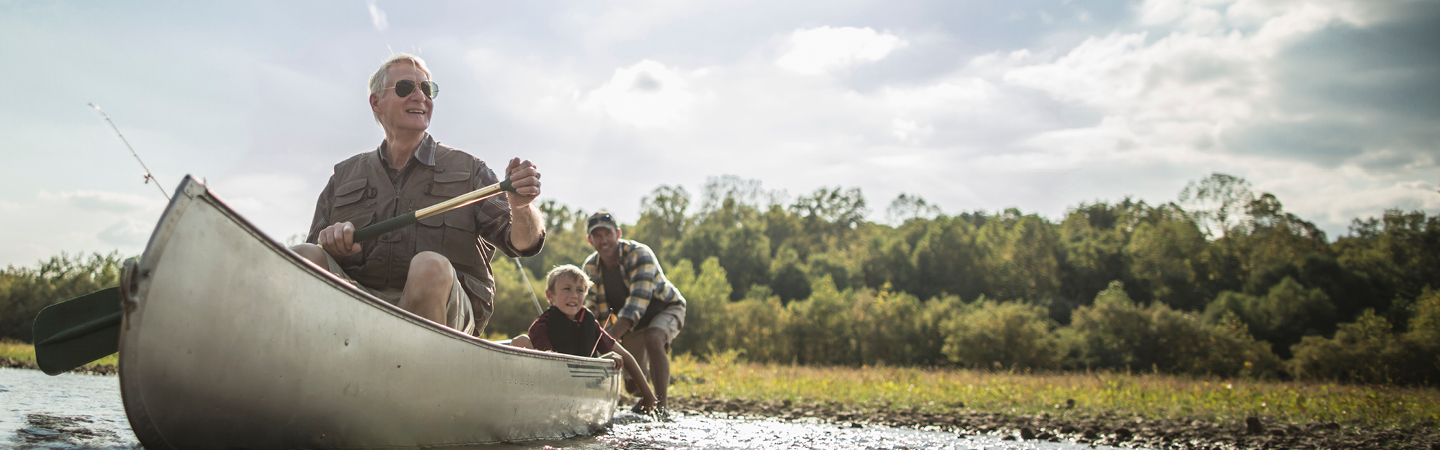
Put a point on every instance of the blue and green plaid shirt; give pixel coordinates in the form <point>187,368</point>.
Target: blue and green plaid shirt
<point>642,274</point>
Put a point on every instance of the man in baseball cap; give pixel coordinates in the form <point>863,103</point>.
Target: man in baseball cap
<point>629,284</point>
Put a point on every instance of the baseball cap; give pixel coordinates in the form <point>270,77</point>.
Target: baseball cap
<point>600,219</point>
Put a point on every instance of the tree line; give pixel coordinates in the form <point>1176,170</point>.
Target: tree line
<point>1221,281</point>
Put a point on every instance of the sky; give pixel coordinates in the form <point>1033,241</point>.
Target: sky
<point>1040,105</point>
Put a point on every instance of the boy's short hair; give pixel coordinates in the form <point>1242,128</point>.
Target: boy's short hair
<point>567,271</point>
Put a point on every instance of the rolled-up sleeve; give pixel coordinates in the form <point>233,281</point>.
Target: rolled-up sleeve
<point>492,217</point>
<point>644,273</point>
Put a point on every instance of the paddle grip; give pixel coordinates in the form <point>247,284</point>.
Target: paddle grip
<point>386,226</point>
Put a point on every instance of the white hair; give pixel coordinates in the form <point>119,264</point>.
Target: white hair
<point>381,78</point>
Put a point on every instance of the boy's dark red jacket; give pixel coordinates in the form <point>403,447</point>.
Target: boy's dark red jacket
<point>579,336</point>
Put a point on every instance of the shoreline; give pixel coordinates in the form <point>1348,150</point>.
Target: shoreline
<point>92,369</point>
<point>1078,425</point>
<point>1068,423</point>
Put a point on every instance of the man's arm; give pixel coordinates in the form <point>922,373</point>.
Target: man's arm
<point>642,272</point>
<point>526,226</point>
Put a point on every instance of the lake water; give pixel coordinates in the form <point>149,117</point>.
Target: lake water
<point>73,411</point>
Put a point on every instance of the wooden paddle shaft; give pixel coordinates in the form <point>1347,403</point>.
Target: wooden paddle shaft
<point>407,219</point>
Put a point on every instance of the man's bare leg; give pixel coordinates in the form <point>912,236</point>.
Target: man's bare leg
<point>427,286</point>
<point>659,364</point>
<point>313,253</point>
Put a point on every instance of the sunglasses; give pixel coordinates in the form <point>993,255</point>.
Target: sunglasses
<point>595,220</point>
<point>403,88</point>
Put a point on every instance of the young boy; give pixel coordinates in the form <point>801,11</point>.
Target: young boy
<point>569,328</point>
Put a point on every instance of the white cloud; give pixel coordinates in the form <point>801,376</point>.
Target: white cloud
<point>646,95</point>
<point>106,201</point>
<point>126,232</point>
<point>819,50</point>
<point>281,204</point>
<point>377,17</point>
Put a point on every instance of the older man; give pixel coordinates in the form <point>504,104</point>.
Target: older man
<point>440,268</point>
<point>629,283</point>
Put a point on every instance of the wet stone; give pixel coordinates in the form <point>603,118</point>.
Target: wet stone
<point>1252,425</point>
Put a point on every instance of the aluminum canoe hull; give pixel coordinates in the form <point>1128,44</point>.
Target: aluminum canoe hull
<point>230,340</point>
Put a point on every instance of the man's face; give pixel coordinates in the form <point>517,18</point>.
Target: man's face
<point>605,241</point>
<point>567,295</point>
<point>410,113</point>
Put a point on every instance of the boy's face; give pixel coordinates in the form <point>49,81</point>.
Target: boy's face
<point>568,294</point>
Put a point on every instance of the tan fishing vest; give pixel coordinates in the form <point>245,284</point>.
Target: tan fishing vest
<point>364,195</point>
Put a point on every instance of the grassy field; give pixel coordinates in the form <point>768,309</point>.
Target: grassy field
<point>1148,395</point>
<point>26,352</point>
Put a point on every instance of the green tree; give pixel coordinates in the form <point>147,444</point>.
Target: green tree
<point>707,316</point>
<point>1116,332</point>
<point>1009,335</point>
<point>1163,254</point>
<point>828,218</point>
<point>662,219</point>
<point>1282,316</point>
<point>24,291</point>
<point>906,207</point>
<point>1217,202</point>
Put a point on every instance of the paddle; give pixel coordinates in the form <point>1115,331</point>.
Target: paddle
<point>407,219</point>
<point>75,332</point>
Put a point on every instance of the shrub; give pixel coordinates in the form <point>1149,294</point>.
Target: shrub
<point>25,291</point>
<point>1011,334</point>
<point>1117,333</point>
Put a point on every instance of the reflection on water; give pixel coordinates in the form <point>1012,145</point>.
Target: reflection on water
<point>84,412</point>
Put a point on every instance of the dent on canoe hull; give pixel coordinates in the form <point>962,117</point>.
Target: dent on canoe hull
<point>230,340</point>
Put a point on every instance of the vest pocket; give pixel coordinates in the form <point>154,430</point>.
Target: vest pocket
<point>451,234</point>
<point>450,184</point>
<point>350,192</point>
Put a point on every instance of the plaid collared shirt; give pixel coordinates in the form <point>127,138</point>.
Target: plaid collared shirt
<point>646,281</point>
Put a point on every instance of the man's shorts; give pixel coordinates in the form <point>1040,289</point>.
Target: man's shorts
<point>458,312</point>
<point>670,319</point>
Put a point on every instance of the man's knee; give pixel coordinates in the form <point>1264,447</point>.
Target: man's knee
<point>655,337</point>
<point>311,252</point>
<point>430,267</point>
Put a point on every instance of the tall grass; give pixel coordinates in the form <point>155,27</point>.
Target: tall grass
<point>1153,396</point>
<point>13,349</point>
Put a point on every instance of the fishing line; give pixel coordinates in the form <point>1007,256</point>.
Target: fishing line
<point>148,176</point>
<point>526,277</point>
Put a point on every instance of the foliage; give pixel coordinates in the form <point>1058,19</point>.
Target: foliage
<point>1003,335</point>
<point>1117,333</point>
<point>1369,351</point>
<point>25,291</point>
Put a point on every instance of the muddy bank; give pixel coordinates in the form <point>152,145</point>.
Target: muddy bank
<point>1072,423</point>
<point>98,369</point>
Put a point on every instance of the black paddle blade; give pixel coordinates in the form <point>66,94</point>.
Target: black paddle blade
<point>75,332</point>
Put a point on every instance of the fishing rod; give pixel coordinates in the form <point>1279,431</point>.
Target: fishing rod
<point>526,277</point>
<point>148,176</point>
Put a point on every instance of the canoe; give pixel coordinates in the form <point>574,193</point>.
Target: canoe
<point>231,340</point>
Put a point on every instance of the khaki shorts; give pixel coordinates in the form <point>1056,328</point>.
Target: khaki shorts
<point>458,312</point>
<point>670,319</point>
